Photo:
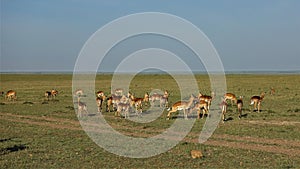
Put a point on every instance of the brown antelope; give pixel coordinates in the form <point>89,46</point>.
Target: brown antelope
<point>181,105</point>
<point>123,107</point>
<point>47,95</point>
<point>146,98</point>
<point>99,101</point>
<point>256,101</point>
<point>163,99</point>
<point>231,97</point>
<point>11,95</point>
<point>240,106</point>
<point>54,93</point>
<point>81,106</point>
<point>137,103</point>
<point>206,98</point>
<point>196,154</point>
<point>100,97</point>
<point>109,103</point>
<point>223,107</point>
<point>113,100</point>
<point>201,105</point>
<point>272,91</point>
<point>124,99</point>
<point>78,93</point>
<point>50,94</point>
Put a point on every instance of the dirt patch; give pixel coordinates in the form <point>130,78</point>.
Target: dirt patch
<point>27,121</point>
<point>255,147</point>
<point>278,146</point>
<point>43,118</point>
<point>277,123</point>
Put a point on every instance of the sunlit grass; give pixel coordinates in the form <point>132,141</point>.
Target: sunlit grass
<point>27,145</point>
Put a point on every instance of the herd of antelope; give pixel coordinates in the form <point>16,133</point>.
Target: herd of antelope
<point>126,104</point>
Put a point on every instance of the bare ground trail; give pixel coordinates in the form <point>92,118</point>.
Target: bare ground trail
<point>278,146</point>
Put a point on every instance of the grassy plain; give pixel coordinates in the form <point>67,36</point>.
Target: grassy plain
<point>46,134</point>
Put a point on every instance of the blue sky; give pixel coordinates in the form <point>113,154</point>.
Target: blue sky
<point>47,35</point>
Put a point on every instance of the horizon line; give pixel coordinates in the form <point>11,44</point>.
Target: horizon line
<point>159,72</point>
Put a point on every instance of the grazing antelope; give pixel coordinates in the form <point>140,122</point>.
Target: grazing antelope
<point>231,97</point>
<point>206,98</point>
<point>240,106</point>
<point>256,101</point>
<point>181,105</point>
<point>11,95</point>
<point>123,108</point>
<point>223,107</point>
<point>81,106</point>
<point>78,93</point>
<point>201,105</point>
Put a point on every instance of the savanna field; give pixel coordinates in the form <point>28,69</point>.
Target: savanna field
<point>37,133</point>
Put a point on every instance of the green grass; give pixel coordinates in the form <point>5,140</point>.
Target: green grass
<point>44,145</point>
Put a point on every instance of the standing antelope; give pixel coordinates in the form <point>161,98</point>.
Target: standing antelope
<point>81,106</point>
<point>51,94</point>
<point>223,107</point>
<point>206,98</point>
<point>123,107</point>
<point>163,99</point>
<point>99,101</point>
<point>137,103</point>
<point>11,95</point>
<point>146,98</point>
<point>256,101</point>
<point>100,97</point>
<point>231,97</point>
<point>113,100</point>
<point>47,95</point>
<point>240,106</point>
<point>54,93</point>
<point>201,105</point>
<point>181,105</point>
